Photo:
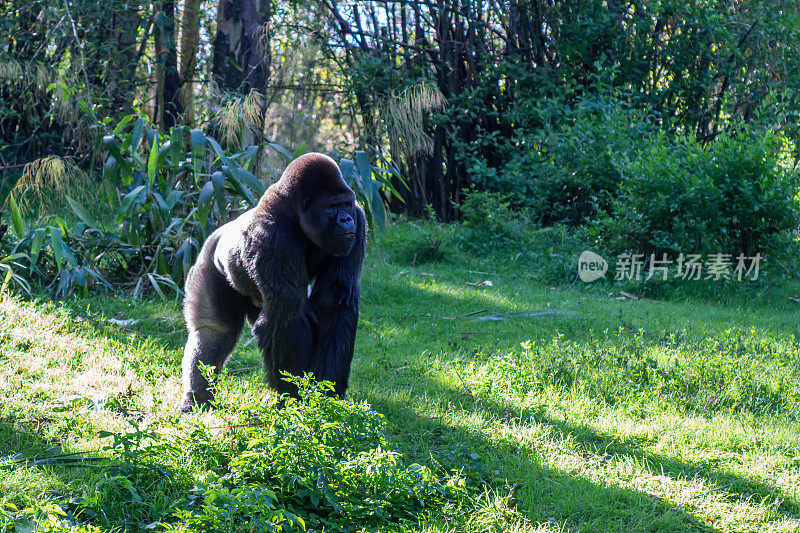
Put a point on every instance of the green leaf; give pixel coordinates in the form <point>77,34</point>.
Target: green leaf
<point>218,180</point>
<point>36,245</point>
<point>249,156</point>
<point>162,205</point>
<point>154,283</point>
<point>205,193</point>
<point>217,148</point>
<point>376,204</point>
<point>136,138</point>
<point>111,172</point>
<point>347,167</point>
<point>363,180</point>
<point>173,198</point>
<point>236,182</point>
<point>6,280</point>
<point>129,199</point>
<point>110,144</point>
<point>57,244</point>
<point>122,124</point>
<point>281,150</point>
<point>187,257</point>
<point>78,209</point>
<point>251,181</point>
<point>16,217</point>
<point>137,293</point>
<point>176,148</point>
<point>60,249</point>
<point>152,162</point>
<point>364,168</point>
<point>198,140</point>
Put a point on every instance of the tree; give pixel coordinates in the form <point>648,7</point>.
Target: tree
<point>241,53</point>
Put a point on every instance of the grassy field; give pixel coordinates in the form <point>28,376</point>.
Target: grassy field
<point>557,406</point>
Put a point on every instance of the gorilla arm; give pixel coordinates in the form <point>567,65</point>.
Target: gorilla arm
<point>334,303</point>
<point>283,327</point>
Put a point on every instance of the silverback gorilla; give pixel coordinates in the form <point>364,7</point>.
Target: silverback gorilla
<point>306,227</point>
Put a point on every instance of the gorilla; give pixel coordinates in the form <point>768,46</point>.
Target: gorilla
<point>307,227</point>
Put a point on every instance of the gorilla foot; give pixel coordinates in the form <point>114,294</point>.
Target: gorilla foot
<point>195,398</point>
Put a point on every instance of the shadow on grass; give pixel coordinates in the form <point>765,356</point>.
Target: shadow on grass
<point>18,437</point>
<point>556,496</point>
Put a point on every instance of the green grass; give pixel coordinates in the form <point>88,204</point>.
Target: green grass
<point>618,415</point>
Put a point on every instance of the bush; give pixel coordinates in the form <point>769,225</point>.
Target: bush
<point>677,196</point>
<point>144,221</point>
<point>275,464</point>
<point>491,223</point>
<point>565,172</point>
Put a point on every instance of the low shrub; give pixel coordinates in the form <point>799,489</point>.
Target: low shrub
<point>677,196</point>
<point>490,221</point>
<point>262,464</point>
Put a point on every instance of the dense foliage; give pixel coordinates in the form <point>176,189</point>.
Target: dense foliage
<point>158,200</point>
<point>315,463</point>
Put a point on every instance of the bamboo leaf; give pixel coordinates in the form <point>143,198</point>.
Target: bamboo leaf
<point>129,199</point>
<point>218,181</point>
<point>61,250</point>
<point>347,167</point>
<point>154,283</point>
<point>16,217</point>
<point>122,124</point>
<point>136,138</point>
<point>152,162</point>
<point>6,280</point>
<point>249,156</point>
<point>198,140</point>
<point>57,244</point>
<point>176,148</point>
<point>36,245</point>
<point>236,183</point>
<point>251,181</point>
<point>78,209</point>
<point>205,193</point>
<point>378,211</point>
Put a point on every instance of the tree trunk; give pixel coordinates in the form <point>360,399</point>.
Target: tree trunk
<point>168,102</point>
<point>187,59</point>
<point>239,62</point>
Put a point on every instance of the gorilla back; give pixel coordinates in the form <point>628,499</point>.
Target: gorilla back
<point>306,227</point>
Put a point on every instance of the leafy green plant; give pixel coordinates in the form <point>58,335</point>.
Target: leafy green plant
<point>491,222</point>
<point>324,462</point>
<point>676,196</point>
<point>316,462</point>
<point>361,177</point>
<point>163,197</point>
<point>167,203</point>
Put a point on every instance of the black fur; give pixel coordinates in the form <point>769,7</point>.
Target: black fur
<point>306,227</point>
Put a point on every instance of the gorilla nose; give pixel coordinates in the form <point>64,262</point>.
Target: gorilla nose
<point>346,223</point>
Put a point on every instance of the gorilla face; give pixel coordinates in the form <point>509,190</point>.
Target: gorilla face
<point>329,222</point>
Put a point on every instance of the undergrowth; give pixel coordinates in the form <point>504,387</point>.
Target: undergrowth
<point>274,464</point>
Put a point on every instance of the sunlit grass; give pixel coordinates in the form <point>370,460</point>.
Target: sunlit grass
<point>681,414</point>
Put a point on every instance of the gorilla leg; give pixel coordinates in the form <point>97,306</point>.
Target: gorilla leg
<point>215,314</point>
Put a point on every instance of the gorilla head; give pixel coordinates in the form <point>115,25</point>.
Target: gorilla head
<point>325,206</point>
